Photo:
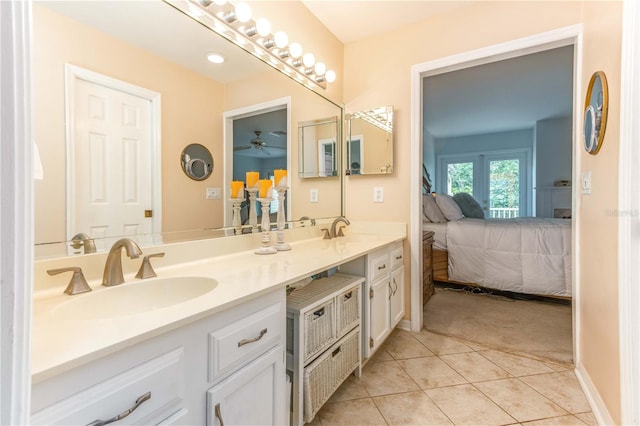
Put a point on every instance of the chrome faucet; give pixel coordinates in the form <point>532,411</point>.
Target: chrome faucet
<point>335,231</point>
<point>82,239</point>
<point>113,267</point>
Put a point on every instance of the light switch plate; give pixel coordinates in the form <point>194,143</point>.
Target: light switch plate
<point>378,194</point>
<point>213,193</point>
<point>313,195</point>
<point>585,182</point>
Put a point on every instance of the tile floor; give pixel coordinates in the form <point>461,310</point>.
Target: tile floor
<point>428,379</point>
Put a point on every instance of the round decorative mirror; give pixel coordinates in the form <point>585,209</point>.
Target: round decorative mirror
<point>196,161</point>
<point>596,106</point>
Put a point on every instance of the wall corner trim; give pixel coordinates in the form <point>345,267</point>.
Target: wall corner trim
<point>593,397</point>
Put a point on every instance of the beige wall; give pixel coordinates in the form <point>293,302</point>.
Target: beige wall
<point>387,60</point>
<point>189,101</point>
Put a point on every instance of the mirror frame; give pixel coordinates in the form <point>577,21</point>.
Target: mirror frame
<point>193,153</point>
<point>596,107</point>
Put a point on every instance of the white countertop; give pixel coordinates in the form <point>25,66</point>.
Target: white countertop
<point>59,345</point>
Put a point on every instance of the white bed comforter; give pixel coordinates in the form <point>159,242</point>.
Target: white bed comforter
<point>525,255</point>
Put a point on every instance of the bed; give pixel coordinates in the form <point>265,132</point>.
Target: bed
<point>523,255</point>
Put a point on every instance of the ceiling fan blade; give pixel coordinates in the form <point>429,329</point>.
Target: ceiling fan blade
<point>241,148</point>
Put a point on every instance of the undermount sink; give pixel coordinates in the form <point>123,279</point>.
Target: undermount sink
<point>134,298</point>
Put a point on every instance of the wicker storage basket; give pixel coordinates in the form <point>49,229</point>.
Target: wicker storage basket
<point>324,375</point>
<point>347,310</point>
<point>320,329</point>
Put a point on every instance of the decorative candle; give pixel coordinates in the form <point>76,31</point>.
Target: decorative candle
<point>264,188</point>
<point>252,179</point>
<point>237,187</point>
<point>279,176</point>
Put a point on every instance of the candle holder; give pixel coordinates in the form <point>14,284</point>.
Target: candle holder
<point>253,217</point>
<point>236,222</point>
<point>266,228</point>
<point>280,244</point>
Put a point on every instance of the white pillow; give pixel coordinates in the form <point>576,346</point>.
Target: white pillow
<point>450,209</point>
<point>431,210</point>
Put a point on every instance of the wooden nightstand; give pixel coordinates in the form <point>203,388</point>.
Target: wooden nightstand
<point>427,266</point>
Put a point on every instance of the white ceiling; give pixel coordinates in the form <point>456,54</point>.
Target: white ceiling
<point>354,20</point>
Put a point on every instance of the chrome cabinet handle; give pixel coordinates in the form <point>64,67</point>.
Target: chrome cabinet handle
<point>382,267</point>
<point>219,414</point>
<point>395,286</point>
<point>255,339</point>
<point>124,414</point>
<point>399,257</point>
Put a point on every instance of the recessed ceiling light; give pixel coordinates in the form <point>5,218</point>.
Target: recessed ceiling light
<point>216,58</point>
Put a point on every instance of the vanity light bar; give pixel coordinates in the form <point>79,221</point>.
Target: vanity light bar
<point>378,117</point>
<point>235,24</point>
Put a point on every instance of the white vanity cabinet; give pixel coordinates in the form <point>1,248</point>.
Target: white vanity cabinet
<point>383,293</point>
<point>233,358</point>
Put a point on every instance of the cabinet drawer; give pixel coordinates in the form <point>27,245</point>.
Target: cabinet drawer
<point>348,310</point>
<point>232,346</point>
<point>319,329</point>
<point>160,378</point>
<point>397,256</point>
<point>379,265</point>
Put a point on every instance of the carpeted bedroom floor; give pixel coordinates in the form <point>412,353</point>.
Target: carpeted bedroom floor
<point>538,329</point>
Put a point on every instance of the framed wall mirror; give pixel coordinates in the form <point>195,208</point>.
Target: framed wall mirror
<point>193,93</point>
<point>596,107</point>
<point>369,138</point>
<point>196,161</point>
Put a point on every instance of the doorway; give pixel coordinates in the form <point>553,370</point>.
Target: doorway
<point>257,138</point>
<point>569,36</point>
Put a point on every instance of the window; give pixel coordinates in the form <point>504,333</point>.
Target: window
<point>499,181</point>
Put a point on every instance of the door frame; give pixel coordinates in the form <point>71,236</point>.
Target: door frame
<point>227,135</point>
<point>73,73</point>
<point>629,206</point>
<point>566,36</point>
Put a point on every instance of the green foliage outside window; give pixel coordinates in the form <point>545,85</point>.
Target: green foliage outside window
<point>460,178</point>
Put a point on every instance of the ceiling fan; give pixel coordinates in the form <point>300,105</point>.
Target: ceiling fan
<point>258,143</point>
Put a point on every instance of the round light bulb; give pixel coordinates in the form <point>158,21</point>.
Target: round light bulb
<point>295,50</point>
<point>243,12</point>
<point>263,26</point>
<point>215,58</point>
<point>308,60</point>
<point>320,68</point>
<point>281,39</point>
<point>330,76</point>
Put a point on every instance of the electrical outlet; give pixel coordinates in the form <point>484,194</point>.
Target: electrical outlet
<point>313,195</point>
<point>585,182</point>
<point>213,193</point>
<point>378,194</point>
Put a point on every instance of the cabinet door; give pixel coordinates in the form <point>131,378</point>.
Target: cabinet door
<point>254,395</point>
<point>378,313</point>
<point>396,296</point>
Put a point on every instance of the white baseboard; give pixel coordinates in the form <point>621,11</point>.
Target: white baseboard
<point>593,397</point>
<point>404,325</point>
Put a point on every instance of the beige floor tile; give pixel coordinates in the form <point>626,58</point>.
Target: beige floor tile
<point>516,365</point>
<point>431,372</point>
<point>466,405</point>
<point>556,366</point>
<point>562,388</point>
<point>383,378</point>
<point>557,421</point>
<point>476,346</point>
<point>413,408</point>
<point>441,345</point>
<point>588,418</point>
<point>380,356</point>
<point>401,345</point>
<point>519,400</point>
<point>315,422</point>
<point>352,388</point>
<point>356,412</point>
<point>474,367</point>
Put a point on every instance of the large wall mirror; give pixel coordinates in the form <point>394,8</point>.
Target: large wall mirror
<point>121,61</point>
<point>369,136</point>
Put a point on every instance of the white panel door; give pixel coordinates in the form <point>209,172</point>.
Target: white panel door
<point>112,163</point>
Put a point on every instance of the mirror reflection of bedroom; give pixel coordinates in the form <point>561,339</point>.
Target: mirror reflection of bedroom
<point>497,204</point>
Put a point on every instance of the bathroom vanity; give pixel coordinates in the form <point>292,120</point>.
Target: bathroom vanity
<point>203,343</point>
